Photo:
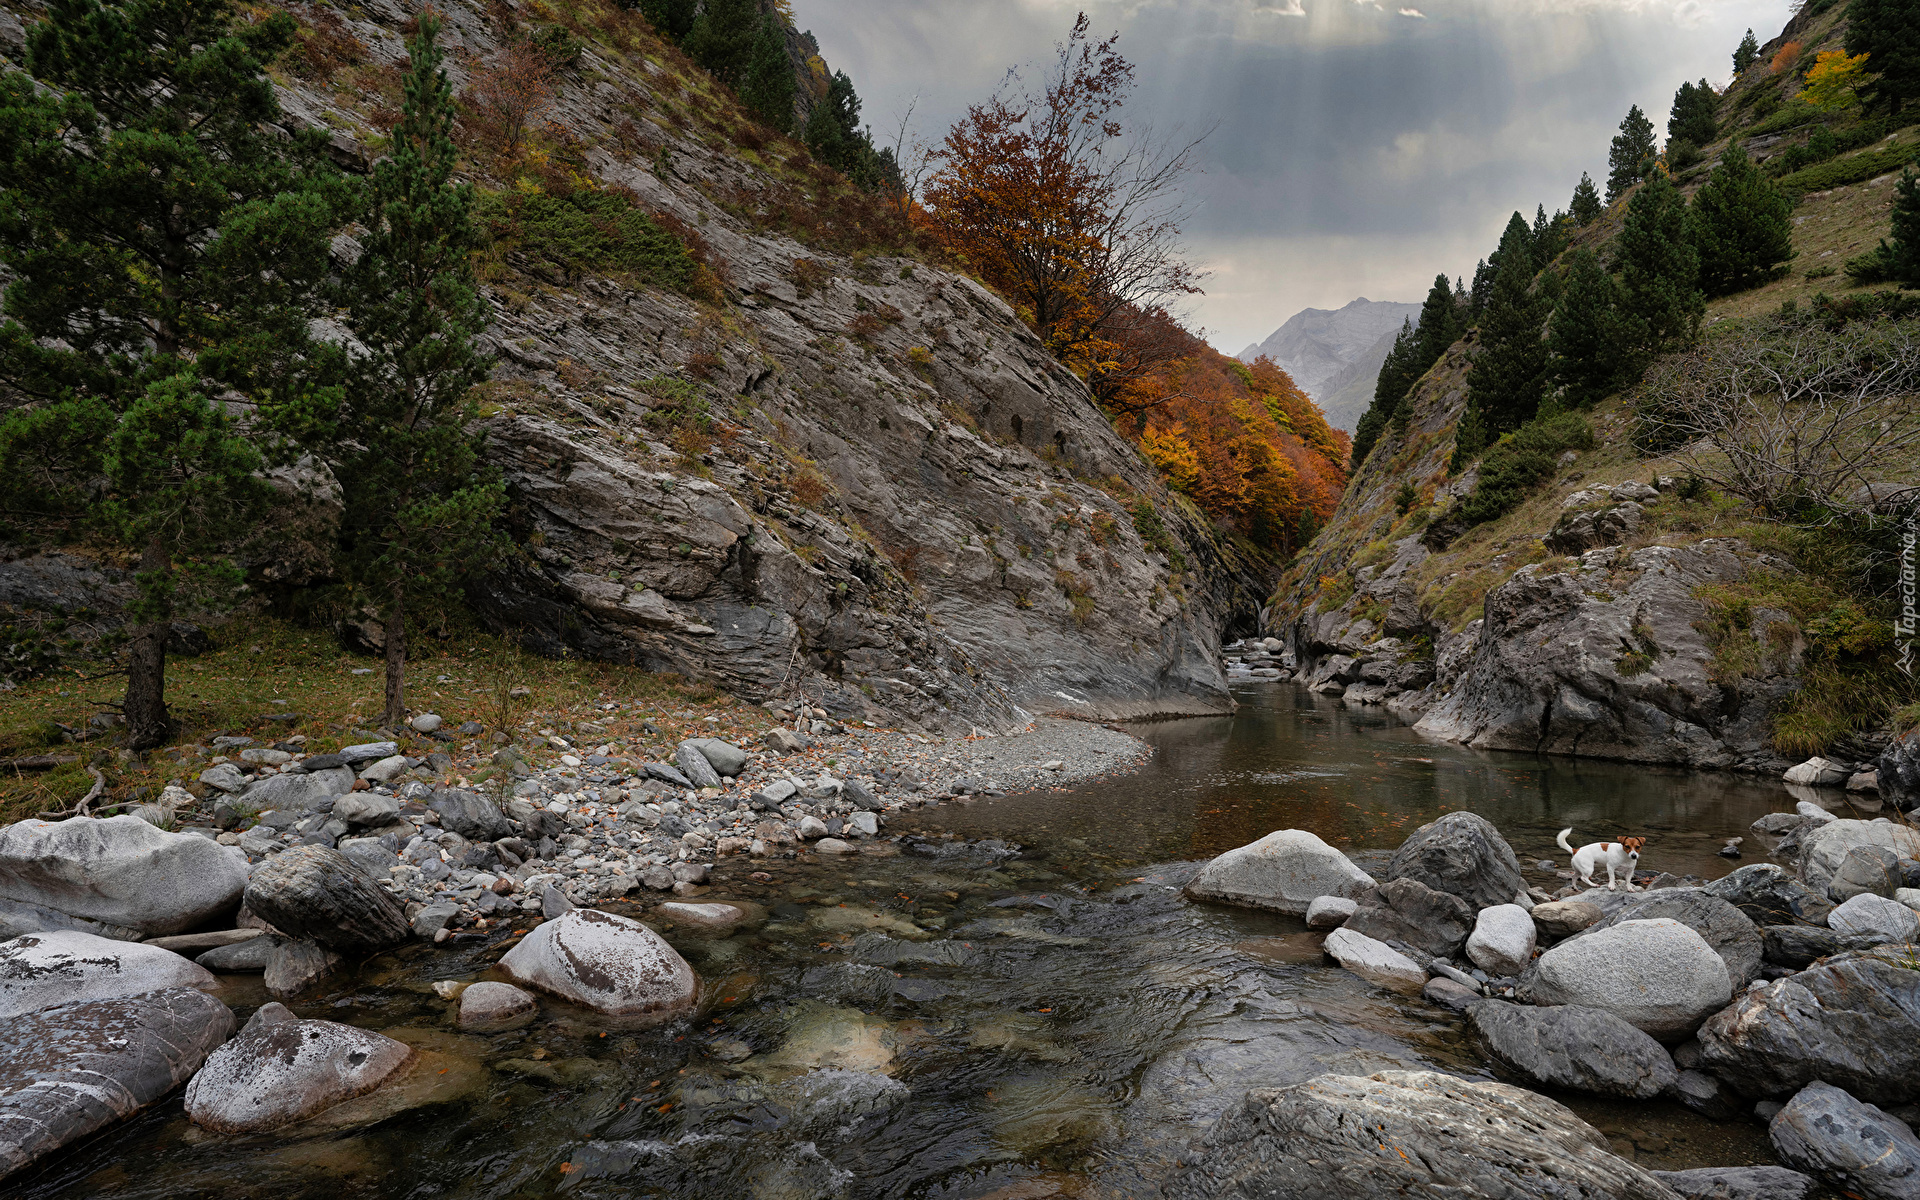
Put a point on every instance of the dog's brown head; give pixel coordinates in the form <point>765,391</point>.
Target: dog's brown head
<point>1633,845</point>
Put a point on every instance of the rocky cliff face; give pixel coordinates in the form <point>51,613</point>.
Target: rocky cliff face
<point>897,504</point>
<point>1317,345</point>
<point>1574,626</point>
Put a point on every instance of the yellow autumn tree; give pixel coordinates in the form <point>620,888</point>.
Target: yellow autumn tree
<point>1172,455</point>
<point>1831,82</point>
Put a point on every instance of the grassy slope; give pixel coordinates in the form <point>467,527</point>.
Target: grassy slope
<point>1830,227</point>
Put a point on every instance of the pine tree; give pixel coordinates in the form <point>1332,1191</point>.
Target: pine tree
<point>769,84</point>
<point>1899,259</point>
<point>1742,226</point>
<point>1745,53</point>
<point>723,37</point>
<point>1396,376</point>
<point>1590,339</point>
<point>1586,201</point>
<point>1477,297</point>
<point>1889,30</point>
<point>1694,111</point>
<point>1631,153</point>
<point>420,501</point>
<point>1439,325</point>
<point>166,245</point>
<point>1659,267</point>
<point>834,135</point>
<point>1510,367</point>
<point>671,19</point>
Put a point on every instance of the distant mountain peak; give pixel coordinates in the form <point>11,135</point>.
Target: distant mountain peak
<point>1324,349</point>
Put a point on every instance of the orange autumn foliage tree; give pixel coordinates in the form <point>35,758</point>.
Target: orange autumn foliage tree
<point>1244,442</point>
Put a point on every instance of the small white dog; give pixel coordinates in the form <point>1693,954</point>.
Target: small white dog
<point>1621,858</point>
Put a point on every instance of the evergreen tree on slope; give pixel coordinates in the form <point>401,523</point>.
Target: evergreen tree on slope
<point>1509,369</point>
<point>1889,30</point>
<point>1630,154</point>
<point>768,87</point>
<point>166,245</point>
<point>1745,53</point>
<point>1590,339</point>
<point>1659,267</point>
<point>1586,206</point>
<point>1742,226</point>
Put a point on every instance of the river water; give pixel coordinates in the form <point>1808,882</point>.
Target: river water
<point>1066,1027</point>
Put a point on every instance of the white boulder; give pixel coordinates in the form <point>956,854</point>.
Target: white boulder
<point>384,770</point>
<point>1502,940</point>
<point>493,1007</point>
<point>1374,960</point>
<point>1285,871</point>
<point>1817,772</point>
<point>41,970</point>
<point>1657,975</point>
<point>607,963</point>
<point>120,871</point>
<point>1822,850</point>
<point>279,1071</point>
<point>425,722</point>
<point>1868,913</point>
<point>1330,912</point>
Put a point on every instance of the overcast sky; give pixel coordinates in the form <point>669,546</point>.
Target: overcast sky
<point>1359,148</point>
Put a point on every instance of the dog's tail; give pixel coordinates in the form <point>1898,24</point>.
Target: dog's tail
<point>1564,844</point>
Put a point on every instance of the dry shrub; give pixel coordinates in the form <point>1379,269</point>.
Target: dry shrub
<point>504,97</point>
<point>809,486</point>
<point>1788,55</point>
<point>323,46</point>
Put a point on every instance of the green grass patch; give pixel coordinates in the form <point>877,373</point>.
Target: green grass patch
<point>585,232</point>
<point>1521,461</point>
<point>1855,168</point>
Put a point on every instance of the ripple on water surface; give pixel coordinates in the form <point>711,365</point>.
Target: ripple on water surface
<point>1025,1007</point>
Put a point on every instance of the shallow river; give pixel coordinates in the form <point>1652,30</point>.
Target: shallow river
<point>1070,1026</point>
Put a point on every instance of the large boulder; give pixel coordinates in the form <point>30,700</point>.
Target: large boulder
<point>44,970</point>
<point>1284,871</point>
<point>1899,774</point>
<point>1823,848</point>
<point>1658,976</point>
<point>1409,914</point>
<point>1866,870</point>
<point>1768,895</point>
<point>695,766</point>
<point>1848,1021</point>
<point>1405,1133</point>
<point>1502,941</point>
<point>1463,854</point>
<point>315,893</point>
<point>1372,959</point>
<point>120,870</point>
<point>1725,928</point>
<point>1853,1146</point>
<point>1738,1183</point>
<point>607,963</point>
<point>69,1071</point>
<point>470,815</point>
<point>284,1070</point>
<point>1867,913</point>
<point>299,791</point>
<point>1567,1046</point>
<point>725,758</point>
<point>1798,946</point>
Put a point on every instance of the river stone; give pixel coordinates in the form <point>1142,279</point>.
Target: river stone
<point>294,966</point>
<point>316,893</point>
<point>1330,912</point>
<point>695,766</point>
<point>1867,913</point>
<point>1848,1022</point>
<point>1284,871</point>
<point>1563,918</point>
<point>1866,870</point>
<point>725,758</point>
<point>1768,895</point>
<point>702,916</point>
<point>366,808</point>
<point>386,770</point>
<point>666,773</point>
<point>1724,927</point>
<point>470,815</point>
<point>1797,946</point>
<point>1817,772</point>
<point>1405,1133</point>
<point>45,970</point>
<point>1738,1183</point>
<point>1409,914</point>
<point>69,1071</point>
<point>1374,960</point>
<point>300,791</point>
<point>1568,1046</point>
<point>425,722</point>
<point>120,871</point>
<point>367,752</point>
<point>1853,1146</point>
<point>242,958</point>
<point>226,777</point>
<point>277,1074</point>
<point>1709,1096</point>
<point>1824,848</point>
<point>375,861</point>
<point>1462,854</point>
<point>607,963</point>
<point>1658,976</point>
<point>1456,996</point>
<point>495,1007</point>
<point>1502,940</point>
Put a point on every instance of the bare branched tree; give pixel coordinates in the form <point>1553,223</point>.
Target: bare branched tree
<point>1797,419</point>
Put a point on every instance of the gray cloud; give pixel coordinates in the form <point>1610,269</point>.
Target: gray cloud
<point>1358,147</point>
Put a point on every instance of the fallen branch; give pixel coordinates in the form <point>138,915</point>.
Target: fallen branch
<point>79,808</point>
<point>39,762</point>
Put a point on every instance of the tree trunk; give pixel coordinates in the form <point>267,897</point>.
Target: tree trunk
<point>396,639</point>
<point>146,703</point>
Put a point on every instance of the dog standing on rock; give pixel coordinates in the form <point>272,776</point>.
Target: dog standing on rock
<point>1621,858</point>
